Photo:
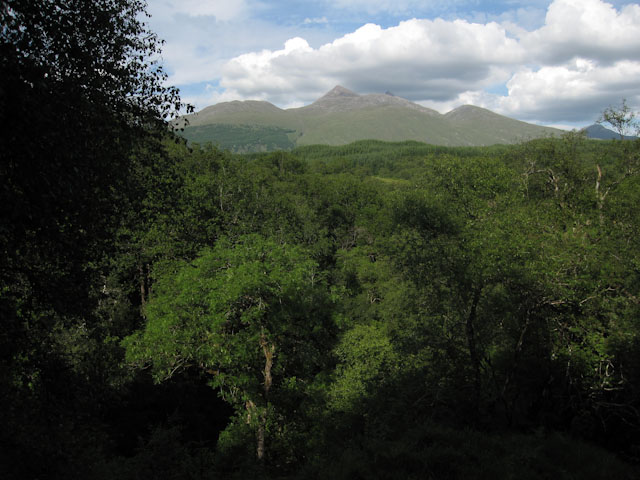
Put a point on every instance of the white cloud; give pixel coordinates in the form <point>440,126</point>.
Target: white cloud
<point>416,59</point>
<point>210,95</point>
<point>202,36</point>
<point>561,64</point>
<point>588,29</point>
<point>576,91</point>
<point>479,98</point>
<point>584,57</point>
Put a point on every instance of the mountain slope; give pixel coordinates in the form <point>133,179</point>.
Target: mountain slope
<point>479,126</point>
<point>342,116</point>
<point>247,112</point>
<point>599,132</point>
<point>384,122</point>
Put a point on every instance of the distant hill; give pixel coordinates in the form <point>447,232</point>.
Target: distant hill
<point>599,132</point>
<point>342,116</point>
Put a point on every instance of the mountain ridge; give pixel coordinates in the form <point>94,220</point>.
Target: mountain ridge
<point>342,116</point>
<point>342,99</point>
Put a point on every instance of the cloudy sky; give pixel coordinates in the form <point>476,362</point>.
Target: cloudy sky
<point>557,62</point>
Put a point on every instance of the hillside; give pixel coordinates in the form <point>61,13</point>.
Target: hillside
<point>342,116</point>
<point>479,126</point>
<point>598,132</point>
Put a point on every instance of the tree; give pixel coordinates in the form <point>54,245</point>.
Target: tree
<point>622,118</point>
<point>252,315</point>
<point>80,91</point>
<point>81,88</point>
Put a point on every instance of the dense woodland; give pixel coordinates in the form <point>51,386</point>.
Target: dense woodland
<point>375,310</point>
<point>241,138</point>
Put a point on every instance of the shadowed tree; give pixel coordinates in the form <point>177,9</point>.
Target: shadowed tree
<point>80,90</point>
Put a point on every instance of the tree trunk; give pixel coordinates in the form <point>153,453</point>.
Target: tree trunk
<point>600,197</point>
<point>143,285</point>
<point>269,351</point>
<point>261,429</point>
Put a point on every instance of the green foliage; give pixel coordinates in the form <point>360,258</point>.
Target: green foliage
<point>241,138</point>
<point>81,93</point>
<point>365,356</point>
<point>375,310</point>
<point>253,315</point>
<point>622,118</point>
<point>212,312</point>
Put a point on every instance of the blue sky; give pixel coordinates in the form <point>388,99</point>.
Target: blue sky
<point>557,62</point>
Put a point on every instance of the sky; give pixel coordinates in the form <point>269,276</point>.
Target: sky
<point>559,62</point>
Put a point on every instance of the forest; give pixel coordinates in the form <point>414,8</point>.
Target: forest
<point>374,310</point>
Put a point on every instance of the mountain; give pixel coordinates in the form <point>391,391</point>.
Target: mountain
<point>340,99</point>
<point>342,116</point>
<point>599,132</point>
<point>479,126</point>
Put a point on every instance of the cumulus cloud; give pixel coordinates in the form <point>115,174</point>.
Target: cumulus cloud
<point>584,57</point>
<point>201,36</point>
<point>572,92</point>
<point>411,59</point>
<point>587,29</point>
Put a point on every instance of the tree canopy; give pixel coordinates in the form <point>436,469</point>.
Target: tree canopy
<point>81,91</point>
<point>368,311</point>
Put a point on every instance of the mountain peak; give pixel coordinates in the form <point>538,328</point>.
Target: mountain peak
<point>342,116</point>
<point>339,91</point>
<point>338,98</point>
<point>470,112</point>
<point>341,99</point>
